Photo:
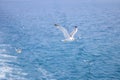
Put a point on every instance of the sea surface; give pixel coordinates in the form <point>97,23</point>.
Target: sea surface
<point>28,26</point>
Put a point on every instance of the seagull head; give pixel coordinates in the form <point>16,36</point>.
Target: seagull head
<point>55,24</point>
<point>75,26</point>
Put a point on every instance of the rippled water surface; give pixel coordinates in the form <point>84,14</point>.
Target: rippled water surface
<point>29,26</point>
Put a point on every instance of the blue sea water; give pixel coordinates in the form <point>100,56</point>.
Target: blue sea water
<point>29,25</point>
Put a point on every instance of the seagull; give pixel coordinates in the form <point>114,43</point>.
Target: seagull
<point>18,50</point>
<point>68,37</point>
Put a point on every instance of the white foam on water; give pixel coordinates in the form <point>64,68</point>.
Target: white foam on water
<point>10,71</point>
<point>45,74</point>
<point>4,47</point>
<point>8,56</point>
<point>2,76</point>
<point>2,50</point>
<point>5,69</point>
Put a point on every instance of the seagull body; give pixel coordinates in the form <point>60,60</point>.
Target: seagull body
<point>68,37</point>
<point>18,50</point>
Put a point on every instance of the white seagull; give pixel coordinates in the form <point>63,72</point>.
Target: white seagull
<point>68,37</point>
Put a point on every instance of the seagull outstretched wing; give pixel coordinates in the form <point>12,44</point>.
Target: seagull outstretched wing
<point>65,32</point>
<point>73,32</point>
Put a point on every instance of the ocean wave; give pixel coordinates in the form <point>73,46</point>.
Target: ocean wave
<point>10,71</point>
<point>46,75</point>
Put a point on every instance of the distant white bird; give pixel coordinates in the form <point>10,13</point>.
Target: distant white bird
<point>18,50</point>
<point>68,37</point>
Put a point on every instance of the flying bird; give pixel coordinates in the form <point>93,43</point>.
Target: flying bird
<point>68,37</point>
<point>18,50</point>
